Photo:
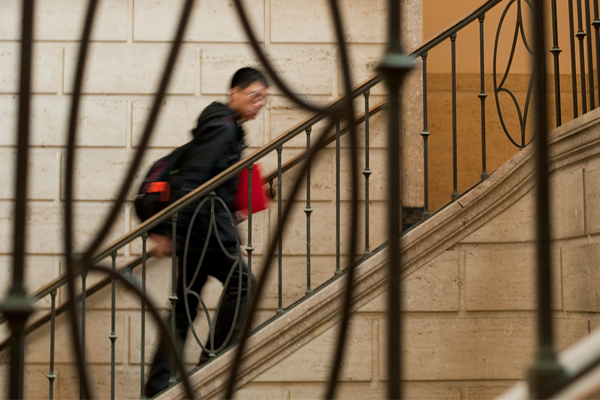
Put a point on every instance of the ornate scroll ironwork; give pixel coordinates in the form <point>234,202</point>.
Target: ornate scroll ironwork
<point>500,87</point>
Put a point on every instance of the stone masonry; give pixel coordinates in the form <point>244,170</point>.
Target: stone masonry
<point>469,294</point>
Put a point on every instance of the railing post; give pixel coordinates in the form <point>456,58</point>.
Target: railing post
<point>367,173</point>
<point>546,369</point>
<point>556,53</point>
<point>51,375</point>
<point>280,238</point>
<point>173,298</point>
<point>596,25</point>
<point>455,193</point>
<point>83,350</point>
<point>338,270</point>
<point>143,318</point>
<point>573,62</point>
<point>588,25</point>
<point>581,35</point>
<point>482,96</point>
<point>249,247</point>
<point>113,335</point>
<point>425,136</point>
<point>308,210</point>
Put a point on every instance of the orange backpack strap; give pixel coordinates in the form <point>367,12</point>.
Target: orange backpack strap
<point>160,187</point>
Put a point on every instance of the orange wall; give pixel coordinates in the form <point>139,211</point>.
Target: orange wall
<point>438,15</point>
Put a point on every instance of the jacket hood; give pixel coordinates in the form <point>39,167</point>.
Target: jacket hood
<point>214,111</point>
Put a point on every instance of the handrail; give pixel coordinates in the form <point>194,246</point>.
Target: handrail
<point>454,28</point>
<point>58,282</point>
<point>301,156</point>
<point>63,307</point>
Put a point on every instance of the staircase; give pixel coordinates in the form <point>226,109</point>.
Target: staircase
<point>463,310</point>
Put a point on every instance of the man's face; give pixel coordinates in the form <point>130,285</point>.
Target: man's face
<point>248,102</point>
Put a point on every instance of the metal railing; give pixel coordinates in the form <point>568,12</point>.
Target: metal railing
<point>17,307</point>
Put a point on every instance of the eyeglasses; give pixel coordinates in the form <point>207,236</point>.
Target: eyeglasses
<point>256,97</point>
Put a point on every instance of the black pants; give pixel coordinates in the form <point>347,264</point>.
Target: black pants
<point>235,297</point>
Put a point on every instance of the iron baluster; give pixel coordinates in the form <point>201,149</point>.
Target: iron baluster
<point>556,53</point>
<point>425,136</point>
<point>173,298</point>
<point>581,35</point>
<point>546,369</point>
<point>51,375</point>
<point>162,326</point>
<point>249,247</point>
<point>280,238</point>
<point>482,96</point>
<point>143,317</point>
<point>308,210</point>
<point>455,193</point>
<point>588,25</point>
<point>82,389</point>
<point>338,270</point>
<point>113,335</point>
<point>573,62</point>
<point>596,25</point>
<point>367,173</point>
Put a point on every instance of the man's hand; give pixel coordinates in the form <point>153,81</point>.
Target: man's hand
<point>162,245</point>
<point>240,216</point>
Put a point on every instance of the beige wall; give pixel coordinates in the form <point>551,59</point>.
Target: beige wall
<point>130,42</point>
<point>470,320</point>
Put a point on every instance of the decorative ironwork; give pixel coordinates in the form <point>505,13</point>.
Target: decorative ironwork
<point>238,263</point>
<point>17,306</point>
<point>499,87</point>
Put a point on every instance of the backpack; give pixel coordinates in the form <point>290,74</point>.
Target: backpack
<point>154,194</point>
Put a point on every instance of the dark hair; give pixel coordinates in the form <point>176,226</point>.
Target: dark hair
<point>246,76</point>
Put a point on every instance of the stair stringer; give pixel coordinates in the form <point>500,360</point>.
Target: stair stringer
<point>575,141</point>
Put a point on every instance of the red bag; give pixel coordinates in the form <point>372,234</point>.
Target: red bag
<point>260,200</point>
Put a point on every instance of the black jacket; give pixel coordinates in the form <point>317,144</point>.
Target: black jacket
<point>217,144</point>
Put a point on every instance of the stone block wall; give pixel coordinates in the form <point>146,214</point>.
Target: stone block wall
<point>469,329</point>
<point>130,42</point>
